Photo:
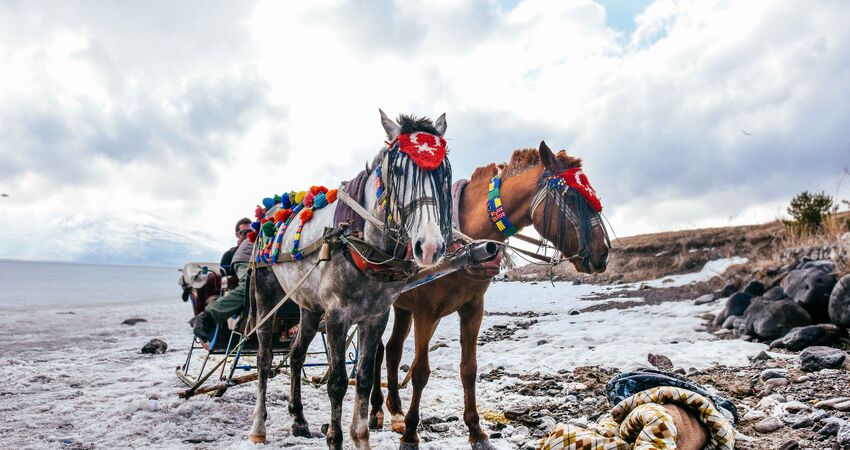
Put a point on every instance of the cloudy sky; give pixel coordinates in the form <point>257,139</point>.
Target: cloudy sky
<point>119,118</point>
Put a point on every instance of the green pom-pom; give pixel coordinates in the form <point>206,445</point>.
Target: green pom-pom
<point>269,228</point>
<point>277,199</point>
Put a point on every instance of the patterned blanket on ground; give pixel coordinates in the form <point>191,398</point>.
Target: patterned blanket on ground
<point>640,422</point>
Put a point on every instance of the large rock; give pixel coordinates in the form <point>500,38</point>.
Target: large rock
<point>816,358</point>
<point>775,293</point>
<point>839,303</point>
<point>735,306</point>
<point>155,347</point>
<point>773,319</point>
<point>802,337</point>
<point>810,286</point>
<point>754,288</point>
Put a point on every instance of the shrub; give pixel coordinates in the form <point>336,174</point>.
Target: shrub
<point>809,212</point>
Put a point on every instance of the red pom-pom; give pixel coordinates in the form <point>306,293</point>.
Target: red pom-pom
<point>252,236</point>
<point>316,189</point>
<point>308,199</point>
<point>306,215</point>
<point>285,214</point>
<point>263,220</point>
<point>331,195</point>
<point>281,215</point>
<point>259,212</point>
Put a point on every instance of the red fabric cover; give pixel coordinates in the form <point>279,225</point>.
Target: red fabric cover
<point>576,179</point>
<point>426,150</point>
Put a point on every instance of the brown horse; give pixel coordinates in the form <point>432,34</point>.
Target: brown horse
<point>528,198</point>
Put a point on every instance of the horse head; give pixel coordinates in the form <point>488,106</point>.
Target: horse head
<point>567,212</point>
<point>414,186</point>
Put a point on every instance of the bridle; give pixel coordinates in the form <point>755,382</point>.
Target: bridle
<point>550,187</point>
<point>397,218</point>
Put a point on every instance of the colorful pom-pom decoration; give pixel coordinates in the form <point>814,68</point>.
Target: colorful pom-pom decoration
<point>299,197</point>
<point>268,203</point>
<point>331,196</point>
<point>284,201</point>
<point>308,200</point>
<point>320,201</point>
<point>269,228</point>
<point>252,236</point>
<point>306,215</point>
<point>259,212</point>
<point>256,225</point>
<point>317,189</point>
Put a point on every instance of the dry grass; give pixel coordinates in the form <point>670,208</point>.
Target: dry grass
<point>835,226</point>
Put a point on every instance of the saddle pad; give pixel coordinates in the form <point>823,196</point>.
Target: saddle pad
<point>343,214</point>
<point>457,191</point>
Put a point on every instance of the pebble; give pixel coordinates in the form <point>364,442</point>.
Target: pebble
<point>803,422</point>
<point>703,299</point>
<point>774,383</point>
<point>753,415</point>
<point>768,425</point>
<point>795,407</point>
<point>155,347</point>
<point>762,356</point>
<point>843,435</point>
<point>829,430</point>
<point>839,403</point>
<point>769,374</point>
<point>790,445</point>
<point>803,379</point>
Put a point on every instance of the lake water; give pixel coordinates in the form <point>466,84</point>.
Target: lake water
<point>30,285</point>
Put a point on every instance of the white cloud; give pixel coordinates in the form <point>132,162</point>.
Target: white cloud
<point>195,115</point>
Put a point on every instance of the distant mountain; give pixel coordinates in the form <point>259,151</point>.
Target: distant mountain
<point>128,237</point>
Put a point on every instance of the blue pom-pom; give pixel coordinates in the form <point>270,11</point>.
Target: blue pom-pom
<point>285,203</point>
<point>268,202</point>
<point>320,201</point>
<point>256,226</point>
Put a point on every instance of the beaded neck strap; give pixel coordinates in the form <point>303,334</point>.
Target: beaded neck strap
<point>494,206</point>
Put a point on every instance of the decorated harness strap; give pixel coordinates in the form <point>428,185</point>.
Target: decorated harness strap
<point>494,205</point>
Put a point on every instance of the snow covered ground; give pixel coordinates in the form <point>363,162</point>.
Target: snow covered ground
<point>77,381</point>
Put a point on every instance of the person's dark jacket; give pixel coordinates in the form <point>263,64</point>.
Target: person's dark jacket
<point>226,260</point>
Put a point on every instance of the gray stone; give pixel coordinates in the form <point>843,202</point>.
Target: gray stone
<point>660,361</point>
<point>155,347</point>
<point>768,425</point>
<point>829,430</point>
<point>773,319</point>
<point>728,290</point>
<point>839,303</point>
<point>802,422</point>
<point>843,435</point>
<point>132,321</point>
<point>729,323</point>
<point>774,293</point>
<point>774,383</point>
<point>762,356</point>
<point>703,299</point>
<point>735,306</point>
<point>802,337</point>
<point>817,358</point>
<point>810,286</point>
<point>769,374</point>
<point>754,288</point>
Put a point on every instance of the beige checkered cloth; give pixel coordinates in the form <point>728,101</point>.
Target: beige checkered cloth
<point>641,423</point>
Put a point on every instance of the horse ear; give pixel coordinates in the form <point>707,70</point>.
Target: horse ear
<point>550,161</point>
<point>390,127</point>
<point>441,125</point>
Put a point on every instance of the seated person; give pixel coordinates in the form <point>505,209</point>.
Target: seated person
<point>243,227</point>
<point>231,303</point>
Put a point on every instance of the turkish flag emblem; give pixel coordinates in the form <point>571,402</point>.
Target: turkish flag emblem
<point>576,179</point>
<point>426,150</point>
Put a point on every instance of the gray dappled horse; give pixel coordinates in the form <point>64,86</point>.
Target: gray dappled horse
<point>416,219</point>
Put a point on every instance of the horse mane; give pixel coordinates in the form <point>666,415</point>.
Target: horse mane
<point>412,124</point>
<point>522,160</point>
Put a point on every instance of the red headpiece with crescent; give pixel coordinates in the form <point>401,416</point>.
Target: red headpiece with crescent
<point>576,179</point>
<point>426,150</point>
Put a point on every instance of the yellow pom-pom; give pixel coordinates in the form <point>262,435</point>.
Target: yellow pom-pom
<point>299,197</point>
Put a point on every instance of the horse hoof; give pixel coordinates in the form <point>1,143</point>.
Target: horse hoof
<point>301,431</point>
<point>376,422</point>
<point>408,446</point>
<point>257,439</point>
<point>482,445</point>
<point>397,423</point>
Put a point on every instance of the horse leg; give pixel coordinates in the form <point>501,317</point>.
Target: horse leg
<point>423,329</point>
<point>337,327</point>
<point>470,324</point>
<point>257,434</point>
<point>394,349</point>
<point>376,414</point>
<point>307,327</point>
<point>370,332</point>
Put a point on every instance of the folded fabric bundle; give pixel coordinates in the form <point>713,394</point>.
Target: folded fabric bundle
<point>641,422</point>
